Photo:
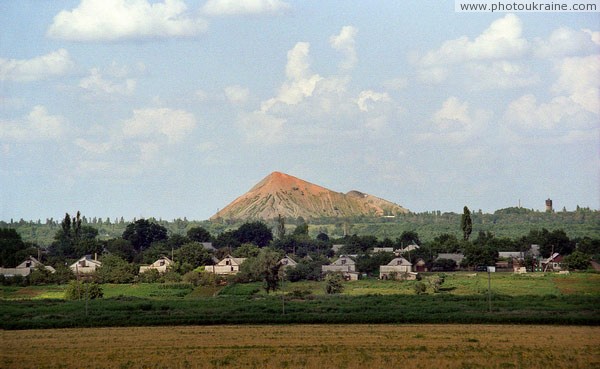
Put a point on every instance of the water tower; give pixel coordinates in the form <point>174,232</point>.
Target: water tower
<point>549,206</point>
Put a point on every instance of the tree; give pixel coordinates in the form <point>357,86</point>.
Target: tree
<point>199,234</point>
<point>577,260</point>
<point>121,248</point>
<point>81,290</point>
<point>265,266</point>
<point>246,250</point>
<point>115,270</point>
<point>466,224</point>
<point>142,233</point>
<point>280,227</point>
<point>479,255</point>
<point>11,246</point>
<point>333,283</point>
<point>407,238</point>
<point>256,232</point>
<point>301,230</point>
<point>193,253</point>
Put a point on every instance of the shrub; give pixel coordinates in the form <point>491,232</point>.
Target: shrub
<point>333,283</point>
<point>80,290</point>
<point>192,277</point>
<point>149,276</point>
<point>420,288</point>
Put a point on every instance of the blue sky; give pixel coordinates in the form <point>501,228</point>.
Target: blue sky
<point>173,108</point>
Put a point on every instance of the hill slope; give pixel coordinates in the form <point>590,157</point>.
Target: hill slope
<point>291,197</point>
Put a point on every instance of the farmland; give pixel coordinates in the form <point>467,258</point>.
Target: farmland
<point>306,346</point>
<point>534,298</point>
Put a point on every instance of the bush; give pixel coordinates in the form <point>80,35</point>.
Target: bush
<point>192,277</point>
<point>80,290</point>
<point>149,276</point>
<point>333,283</point>
<point>420,288</point>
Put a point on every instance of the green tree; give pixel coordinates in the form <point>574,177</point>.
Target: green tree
<point>333,283</point>
<point>577,260</point>
<point>81,290</point>
<point>11,247</point>
<point>264,267</point>
<point>280,227</point>
<point>256,232</point>
<point>115,270</point>
<point>194,254</point>
<point>199,234</point>
<point>142,233</point>
<point>246,250</point>
<point>479,255</point>
<point>466,224</point>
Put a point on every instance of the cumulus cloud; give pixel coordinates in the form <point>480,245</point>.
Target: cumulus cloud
<point>579,77</point>
<point>300,81</point>
<point>236,94</point>
<point>244,7</point>
<point>174,125</point>
<point>565,41</point>
<point>344,42</point>
<point>263,128</point>
<point>42,67</point>
<point>113,20</point>
<point>37,126</point>
<point>368,97</point>
<point>96,84</point>
<point>501,40</point>
<point>455,122</point>
<point>501,74</point>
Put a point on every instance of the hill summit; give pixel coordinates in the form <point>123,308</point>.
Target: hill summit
<point>291,197</point>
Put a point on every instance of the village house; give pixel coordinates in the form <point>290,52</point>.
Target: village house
<point>345,265</point>
<point>25,268</point>
<point>420,266</point>
<point>161,265</point>
<point>398,268</point>
<point>86,265</point>
<point>553,263</point>
<point>227,265</point>
<point>287,262</point>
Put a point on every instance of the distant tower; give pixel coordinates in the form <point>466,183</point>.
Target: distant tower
<point>548,206</point>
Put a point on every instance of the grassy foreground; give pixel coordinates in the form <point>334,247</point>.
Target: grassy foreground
<point>305,346</point>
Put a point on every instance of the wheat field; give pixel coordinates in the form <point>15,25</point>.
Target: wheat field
<point>305,346</point>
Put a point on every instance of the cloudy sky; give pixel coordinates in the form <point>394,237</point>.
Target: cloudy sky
<point>173,108</point>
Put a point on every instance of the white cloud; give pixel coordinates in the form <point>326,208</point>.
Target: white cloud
<point>93,147</point>
<point>565,41</point>
<point>243,7</point>
<point>300,82</point>
<point>501,74</point>
<point>159,123</point>
<point>501,40</point>
<point>579,77</point>
<point>344,42</point>
<point>263,128</point>
<point>237,94</point>
<point>456,123</point>
<point>37,126</point>
<point>399,83</point>
<point>452,111</point>
<point>112,20</point>
<point>42,67</point>
<point>368,97</point>
<point>98,85</point>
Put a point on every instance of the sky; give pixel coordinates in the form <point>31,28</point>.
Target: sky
<point>174,108</point>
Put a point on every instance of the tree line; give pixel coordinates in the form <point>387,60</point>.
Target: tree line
<point>144,241</point>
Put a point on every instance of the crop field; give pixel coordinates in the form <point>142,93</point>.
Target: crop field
<point>305,346</point>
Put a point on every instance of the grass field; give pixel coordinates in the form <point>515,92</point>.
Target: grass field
<point>305,346</point>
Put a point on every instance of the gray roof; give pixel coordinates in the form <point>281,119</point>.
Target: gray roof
<point>456,257</point>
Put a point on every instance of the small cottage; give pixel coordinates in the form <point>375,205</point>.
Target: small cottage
<point>86,265</point>
<point>25,268</point>
<point>287,262</point>
<point>227,265</point>
<point>395,269</point>
<point>345,265</point>
<point>161,265</point>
